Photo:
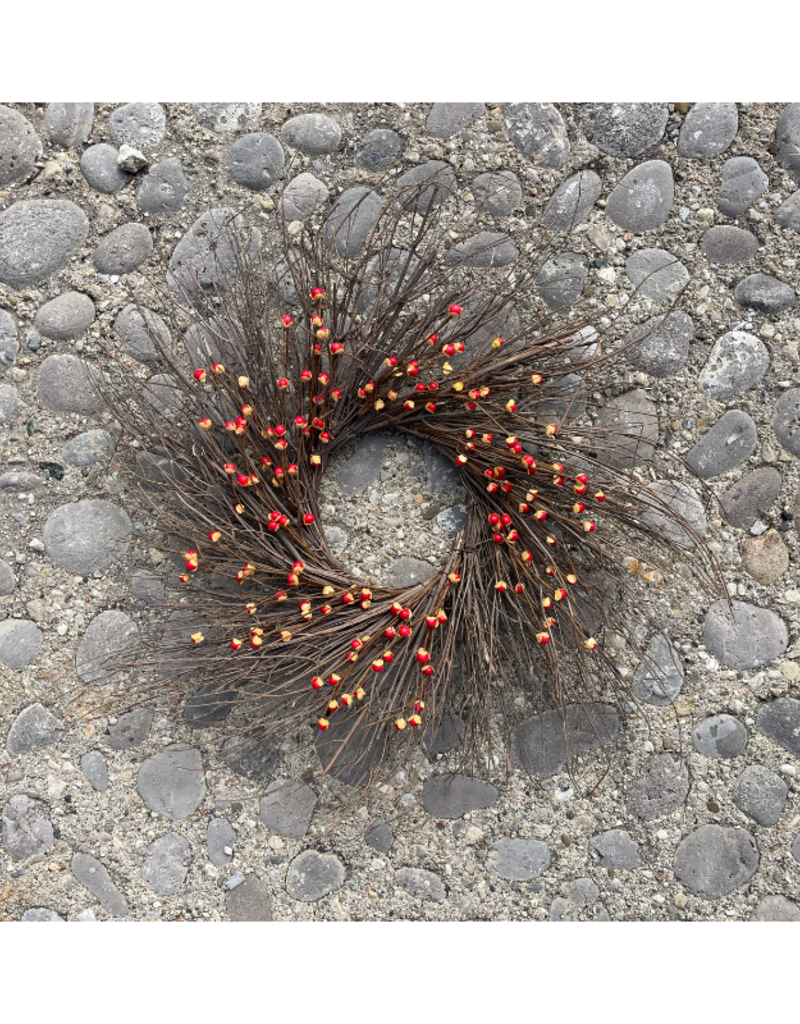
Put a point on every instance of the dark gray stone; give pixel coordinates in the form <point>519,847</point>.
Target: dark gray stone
<point>627,429</point>
<point>624,129</point>
<point>353,216</point>
<point>64,386</point>
<point>750,637</point>
<point>312,134</point>
<point>660,346</point>
<point>561,279</point>
<point>37,238</point>
<point>407,571</point>
<point>100,167</point>
<point>730,442</point>
<point>20,641</point>
<point>249,901</point>
<point>206,258</point>
<point>572,201</point>
<point>617,850</point>
<point>107,647</point>
<point>538,131</point>
<point>364,465</point>
<point>302,196</point>
<point>786,420</point>
<point>210,704</point>
<point>657,274</point>
<point>486,249</point>
<point>743,182</point>
<point>720,736</point>
<point>726,245</point>
<point>518,860</point>
<point>10,405</point>
<point>19,481</point>
<point>379,150</point>
<point>443,473</point>
<point>716,859</point>
<point>453,520</point>
<point>661,790</point>
<point>776,908</point>
<point>88,448</point>
<point>426,186</point>
<point>147,588</point>
<point>228,117</point>
<point>737,363</point>
<point>20,147</point>
<point>219,835</point>
<point>445,119</point>
<point>172,782</point>
<point>26,828</point>
<point>66,316</point>
<point>380,837</point>
<point>164,189</point>
<point>787,139</point>
<point>421,884</point>
<point>143,333</point>
<point>764,293</point>
<point>780,720</point>
<point>255,759</point>
<point>788,214</point>
<point>69,123</point>
<point>642,200</point>
<point>540,741</point>
<point>708,129</point>
<point>95,767</point>
<point>659,676</point>
<point>123,249</point>
<point>139,125</point>
<point>312,875</point>
<point>164,395</point>
<point>91,873</point>
<point>760,794</point>
<point>287,808</point>
<point>256,161</point>
<point>453,796</point>
<point>498,192</point>
<point>41,914</point>
<point>131,729</point>
<point>744,502</point>
<point>7,579</point>
<point>167,862</point>
<point>448,734</point>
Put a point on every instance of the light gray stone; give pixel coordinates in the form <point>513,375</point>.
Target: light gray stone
<point>788,213</point>
<point>708,129</point>
<point>165,867</point>
<point>776,908</point>
<point>730,442</point>
<point>744,502</point>
<point>353,216</point>
<point>760,794</point>
<point>780,720</point>
<point>41,914</point>
<point>786,420</point>
<point>130,729</point>
<point>453,796</point>
<point>88,448</point>
<point>206,258</point>
<point>617,850</point>
<point>453,520</point>
<point>445,119</point>
<point>572,201</point>
<point>764,293</point>
<point>64,317</point>
<point>627,428</point>
<point>27,831</point>
<point>518,860</point>
<point>540,743</point>
<point>10,404</point>
<point>538,131</point>
<point>20,641</point>
<point>685,502</point>
<point>737,362</point>
<point>107,646</point>
<point>561,279</point>
<point>164,189</point>
<point>87,536</point>
<point>131,160</point>
<point>624,129</point>
<point>443,473</point>
<point>228,117</point>
<point>364,465</point>
<point>139,125</point>
<point>249,901</point>
<point>426,186</point>
<point>743,182</point>
<point>380,837</point>
<point>727,245</point>
<point>219,835</point>
<point>750,637</point>
<point>69,124</point>
<point>123,249</point>
<point>720,736</point>
<point>20,147</point>
<point>91,873</point>
<point>486,249</point>
<point>408,571</point>
<point>642,200</point>
<point>714,860</point>
<point>660,346</point>
<point>302,196</point>
<point>312,875</point>
<point>421,884</point>
<point>33,729</point>
<point>287,807</point>
<point>65,386</point>
<point>256,161</point>
<point>497,192</point>
<point>379,150</point>
<point>143,334</point>
<point>37,238</point>
<point>661,789</point>
<point>163,393</point>
<point>787,139</point>
<point>19,481</point>
<point>8,341</point>
<point>100,167</point>
<point>659,676</point>
<point>7,579</point>
<point>172,783</point>
<point>95,767</point>
<point>312,134</point>
<point>582,892</point>
<point>657,274</point>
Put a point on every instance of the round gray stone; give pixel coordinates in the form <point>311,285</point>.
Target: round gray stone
<point>538,131</point>
<point>256,161</point>
<point>87,536</point>
<point>20,641</point>
<point>540,742</point>
<point>426,186</point>
<point>167,862</point>
<point>100,168</point>
<point>643,199</point>
<point>302,196</point>
<point>248,901</point>
<point>453,796</point>
<point>421,884</point>
<point>572,201</point>
<point>147,588</point>
<point>206,258</point>
<point>657,274</point>
<point>715,860</point>
<point>354,214</point>
<point>219,835</point>
<point>764,293</point>
<point>518,860</point>
<point>380,837</point>
<point>164,189</point>
<point>88,448</point>
<point>750,637</point>
<point>64,386</point>
<point>659,676</point>
<point>786,420</point>
<point>33,729</point>
<point>69,123</point>
<point>67,316</point>
<point>486,249</point>
<point>131,729</point>
<point>780,720</point>
<point>726,445</point>
<point>228,117</point>
<point>27,831</point>
<point>661,790</point>
<point>498,192</point>
<point>139,125</point>
<point>737,363</point>
<point>561,279</point>
<point>7,579</point>
<point>787,139</point>
<point>407,571</point>
<point>628,428</point>
<point>312,134</point>
<point>445,119</point>
<point>20,147</point>
<point>312,875</point>
<point>143,333</point>
<point>41,914</point>
<point>776,908</point>
<point>760,794</point>
<point>624,129</point>
<point>788,214</point>
<point>95,767</point>
<point>172,783</point>
<point>107,645</point>
<point>725,244</point>
<point>660,346</point>
<point>708,129</point>
<point>720,736</point>
<point>743,182</point>
<point>124,249</point>
<point>10,404</point>
<point>744,502</point>
<point>617,850</point>
<point>37,238</point>
<point>379,150</point>
<point>287,807</point>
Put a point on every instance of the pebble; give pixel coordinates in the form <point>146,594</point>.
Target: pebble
<point>421,884</point>
<point>172,782</point>
<point>561,279</point>
<point>408,571</point>
<point>69,124</point>
<point>631,423</point>
<point>302,196</point>
<point>764,293</point>
<point>443,473</point>
<point>87,536</point>
<point>538,131</point>
<point>751,637</point>
<point>727,245</point>
<point>26,828</point>
<point>91,873</point>
<point>64,386</point>
<point>248,901</point>
<point>760,794</point>
<point>787,139</point>
<point>540,743</point>
<point>10,405</point>
<point>730,442</point>
<point>19,482</point>
<point>363,467</point>
<point>137,328</point>
<point>658,678</point>
<point>312,875</point>
<point>139,125</point>
<point>720,736</point>
<point>33,340</point>
<point>41,914</point>
<point>164,189</point>
<point>664,345</point>
<point>426,186</point>
<point>256,161</point>
<point>518,860</point>
<point>100,167</point>
<point>499,193</point>
<point>20,641</point>
<point>744,502</point>
<point>617,850</point>
<point>642,200</point>
<point>88,448</point>
<point>95,767</point>
<point>228,117</point>
<point>7,580</point>
<point>780,720</point>
<point>776,908</point>
<point>445,119</point>
<point>220,837</point>
<point>657,274</point>
<point>714,860</point>
<point>206,257</point>
<point>166,865</point>
<point>37,238</point>
<point>20,147</point>
<point>786,420</point>
<point>287,807</point>
<point>572,201</point>
<point>624,129</point>
<point>379,150</point>
<point>737,363</point>
<point>788,214</point>
<point>683,500</point>
<point>123,249</point>
<point>743,182</point>
<point>661,789</point>
<point>380,837</point>
<point>131,160</point>
<point>312,134</point>
<point>708,129</point>
<point>453,796</point>
<point>765,557</point>
<point>65,317</point>
<point>486,249</point>
<point>107,645</point>
<point>131,729</point>
<point>353,216</point>
<point>211,703</point>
